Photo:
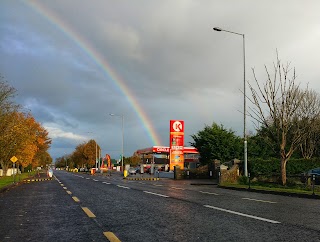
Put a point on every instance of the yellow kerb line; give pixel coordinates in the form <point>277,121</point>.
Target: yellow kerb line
<point>111,237</point>
<point>88,212</point>
<point>76,199</point>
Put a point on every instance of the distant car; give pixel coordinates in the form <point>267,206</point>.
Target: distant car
<point>132,171</point>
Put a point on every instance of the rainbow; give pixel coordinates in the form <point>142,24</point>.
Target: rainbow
<point>81,42</point>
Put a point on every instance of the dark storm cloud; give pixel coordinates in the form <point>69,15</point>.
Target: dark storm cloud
<point>166,53</point>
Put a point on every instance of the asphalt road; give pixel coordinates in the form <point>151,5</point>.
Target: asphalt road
<point>80,207</point>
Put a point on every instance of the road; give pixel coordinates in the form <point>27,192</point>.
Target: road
<point>81,207</point>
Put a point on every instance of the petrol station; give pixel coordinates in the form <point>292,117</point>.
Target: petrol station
<point>166,158</point>
<point>160,157</point>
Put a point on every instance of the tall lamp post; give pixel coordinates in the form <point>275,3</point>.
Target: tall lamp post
<point>244,99</point>
<point>122,119</point>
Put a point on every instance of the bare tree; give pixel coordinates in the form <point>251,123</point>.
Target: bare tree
<point>277,105</point>
<point>310,108</point>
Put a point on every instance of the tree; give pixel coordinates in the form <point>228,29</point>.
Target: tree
<point>215,142</point>
<point>21,135</point>
<point>133,160</point>
<point>310,108</point>
<point>260,147</point>
<point>6,94</point>
<point>277,106</point>
<point>90,152</point>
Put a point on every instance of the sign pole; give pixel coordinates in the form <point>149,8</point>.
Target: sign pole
<point>14,166</point>
<point>14,159</point>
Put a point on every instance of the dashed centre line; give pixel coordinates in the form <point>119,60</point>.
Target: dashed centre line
<point>108,183</point>
<point>178,188</point>
<point>257,200</point>
<point>157,194</point>
<point>111,237</point>
<point>88,212</point>
<point>76,199</point>
<point>123,187</point>
<point>95,180</point>
<point>211,193</point>
<point>69,192</point>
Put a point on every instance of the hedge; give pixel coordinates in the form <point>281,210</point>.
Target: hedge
<point>272,166</point>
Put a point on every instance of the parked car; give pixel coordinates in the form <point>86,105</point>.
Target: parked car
<point>308,176</point>
<point>132,171</point>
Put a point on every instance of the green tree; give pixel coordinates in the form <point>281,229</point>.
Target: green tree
<point>216,142</point>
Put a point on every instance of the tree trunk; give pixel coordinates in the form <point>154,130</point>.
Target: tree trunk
<point>283,171</point>
<point>5,166</point>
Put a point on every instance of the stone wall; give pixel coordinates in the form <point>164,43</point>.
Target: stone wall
<point>229,176</point>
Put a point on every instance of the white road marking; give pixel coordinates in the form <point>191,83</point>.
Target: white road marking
<point>211,193</point>
<point>157,185</point>
<point>178,188</point>
<point>157,194</point>
<point>243,214</point>
<point>106,183</point>
<point>88,178</point>
<point>141,182</point>
<point>95,180</point>
<point>257,200</point>
<point>123,187</point>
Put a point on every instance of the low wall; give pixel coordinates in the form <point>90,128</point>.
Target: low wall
<point>10,171</point>
<point>231,175</point>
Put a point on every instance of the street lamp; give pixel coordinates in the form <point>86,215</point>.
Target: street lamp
<point>122,118</point>
<point>244,98</point>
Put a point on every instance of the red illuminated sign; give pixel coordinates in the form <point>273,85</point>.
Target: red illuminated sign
<point>161,149</point>
<point>176,143</point>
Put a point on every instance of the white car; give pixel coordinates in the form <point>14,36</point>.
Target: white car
<point>132,171</point>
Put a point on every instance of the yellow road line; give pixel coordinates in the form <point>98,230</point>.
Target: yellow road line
<point>111,237</point>
<point>76,199</point>
<point>69,192</point>
<point>61,185</point>
<point>88,212</point>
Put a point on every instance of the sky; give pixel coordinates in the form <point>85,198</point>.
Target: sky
<point>148,62</point>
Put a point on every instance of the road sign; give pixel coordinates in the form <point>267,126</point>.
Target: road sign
<point>14,159</point>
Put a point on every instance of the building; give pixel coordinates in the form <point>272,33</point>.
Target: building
<point>159,156</point>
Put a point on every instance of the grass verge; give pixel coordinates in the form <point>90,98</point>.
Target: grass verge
<point>297,190</point>
<point>8,180</point>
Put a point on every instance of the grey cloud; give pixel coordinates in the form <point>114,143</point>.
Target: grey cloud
<point>166,53</point>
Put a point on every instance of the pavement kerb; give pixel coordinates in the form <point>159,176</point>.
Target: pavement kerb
<point>37,179</point>
<point>142,178</point>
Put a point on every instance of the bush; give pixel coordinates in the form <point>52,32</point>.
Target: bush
<point>243,180</point>
<point>272,166</point>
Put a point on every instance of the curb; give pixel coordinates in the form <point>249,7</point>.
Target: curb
<point>36,180</point>
<point>142,179</point>
<point>289,194</point>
